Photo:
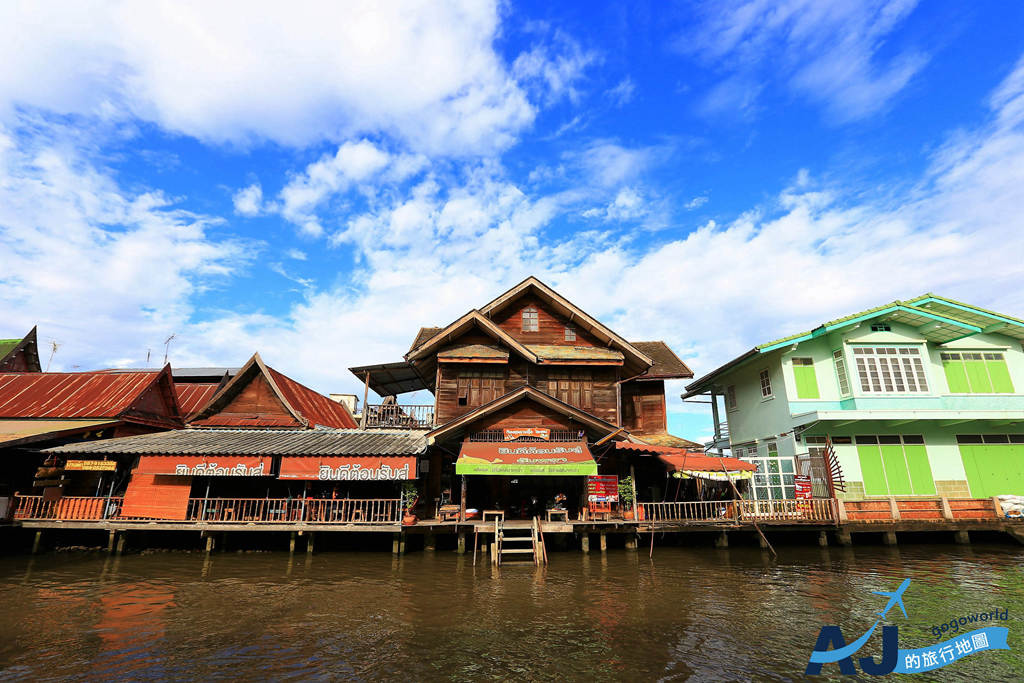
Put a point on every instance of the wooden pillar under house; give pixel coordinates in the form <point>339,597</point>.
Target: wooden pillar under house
<point>366,396</point>
<point>462,504</point>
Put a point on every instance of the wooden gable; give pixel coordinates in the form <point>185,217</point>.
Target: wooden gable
<point>551,325</point>
<point>256,404</point>
<point>157,404</point>
<point>22,356</point>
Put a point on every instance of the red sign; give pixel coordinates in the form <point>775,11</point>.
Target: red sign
<point>802,491</point>
<point>351,468</point>
<point>603,489</point>
<point>206,466</point>
<point>536,432</point>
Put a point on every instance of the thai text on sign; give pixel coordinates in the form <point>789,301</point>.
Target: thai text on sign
<point>356,472</point>
<point>91,465</point>
<point>603,489</point>
<point>535,432</point>
<point>213,469</point>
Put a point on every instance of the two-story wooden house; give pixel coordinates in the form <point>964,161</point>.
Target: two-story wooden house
<point>918,398</point>
<point>529,367</point>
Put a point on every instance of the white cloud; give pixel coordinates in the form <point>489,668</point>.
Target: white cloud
<point>106,272</point>
<point>609,163</point>
<point>296,254</point>
<point>696,202</point>
<point>830,51</point>
<point>249,200</point>
<point>554,68</point>
<point>628,205</point>
<point>622,94</point>
<point>425,72</point>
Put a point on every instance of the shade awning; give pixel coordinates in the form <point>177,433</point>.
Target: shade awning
<point>357,468</point>
<point>203,466</point>
<point>552,458</point>
<point>699,466</point>
<point>18,432</point>
<point>390,379</point>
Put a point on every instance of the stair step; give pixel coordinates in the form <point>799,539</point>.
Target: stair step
<point>516,550</point>
<point>509,539</point>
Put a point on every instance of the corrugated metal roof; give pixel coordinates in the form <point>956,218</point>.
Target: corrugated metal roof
<point>71,394</point>
<point>666,439</point>
<point>13,432</point>
<point>192,397</point>
<point>423,335</point>
<point>316,408</point>
<point>390,379</point>
<point>553,352</point>
<point>666,363</point>
<point>258,442</point>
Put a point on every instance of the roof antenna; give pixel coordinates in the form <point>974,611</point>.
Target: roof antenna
<point>148,351</point>
<point>167,347</point>
<point>53,349</point>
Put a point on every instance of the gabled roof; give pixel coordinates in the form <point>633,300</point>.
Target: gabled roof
<point>667,365</point>
<point>937,319</point>
<point>306,407</point>
<point>193,396</point>
<point>20,355</point>
<point>570,310</point>
<point>462,325</point>
<point>459,425</point>
<point>88,395</point>
<point>423,335</point>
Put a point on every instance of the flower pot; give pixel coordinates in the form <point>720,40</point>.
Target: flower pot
<point>408,519</point>
<point>627,515</point>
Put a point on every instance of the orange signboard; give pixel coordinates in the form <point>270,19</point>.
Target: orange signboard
<point>536,432</point>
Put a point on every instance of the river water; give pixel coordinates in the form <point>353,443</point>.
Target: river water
<point>688,613</point>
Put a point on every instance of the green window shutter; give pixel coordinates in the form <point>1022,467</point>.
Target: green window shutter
<point>1000,376</point>
<point>977,375</point>
<point>920,470</point>
<point>871,470</point>
<point>896,470</point>
<point>806,381</point>
<point>956,376</point>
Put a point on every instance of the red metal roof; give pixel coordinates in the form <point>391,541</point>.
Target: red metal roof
<point>192,397</point>
<point>316,408</point>
<point>71,394</point>
<point>680,458</point>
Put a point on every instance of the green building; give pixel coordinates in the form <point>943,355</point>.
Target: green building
<point>919,398</point>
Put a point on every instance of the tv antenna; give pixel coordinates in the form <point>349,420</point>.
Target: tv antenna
<point>53,349</point>
<point>167,347</point>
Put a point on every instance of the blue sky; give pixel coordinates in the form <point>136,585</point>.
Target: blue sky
<point>316,181</point>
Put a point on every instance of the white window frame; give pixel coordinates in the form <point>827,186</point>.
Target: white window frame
<point>841,368</point>
<point>878,369</point>
<point>531,319</point>
<point>765,380</point>
<point>570,332</point>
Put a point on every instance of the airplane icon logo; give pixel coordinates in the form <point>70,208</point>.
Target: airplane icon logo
<point>895,598</point>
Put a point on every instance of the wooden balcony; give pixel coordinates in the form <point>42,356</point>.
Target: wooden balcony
<point>394,416</point>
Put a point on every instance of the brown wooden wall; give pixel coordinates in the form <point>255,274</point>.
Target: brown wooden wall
<point>551,325</point>
<point>643,407</point>
<point>524,414</point>
<point>255,399</point>
<point>518,373</point>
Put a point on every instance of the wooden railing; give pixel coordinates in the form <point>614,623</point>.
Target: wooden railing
<point>688,511</point>
<point>224,510</point>
<point>393,416</point>
<point>788,511</point>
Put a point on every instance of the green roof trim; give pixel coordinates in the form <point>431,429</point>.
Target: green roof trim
<point>967,308</point>
<point>8,345</point>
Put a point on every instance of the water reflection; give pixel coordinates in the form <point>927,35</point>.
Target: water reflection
<point>687,612</point>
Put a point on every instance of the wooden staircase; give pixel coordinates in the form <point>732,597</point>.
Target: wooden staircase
<point>519,543</point>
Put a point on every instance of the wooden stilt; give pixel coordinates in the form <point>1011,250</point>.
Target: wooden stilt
<point>889,538</point>
<point>37,541</point>
<point>604,541</point>
<point>429,542</point>
<point>121,542</point>
<point>309,543</point>
<point>962,537</point>
<point>401,543</point>
<point>823,539</point>
<point>210,543</point>
<point>722,540</point>
<point>844,537</point>
<point>461,549</point>
<point>585,542</point>
<point>394,544</point>
<point>111,538</point>
<point>291,544</point>
<point>631,542</point>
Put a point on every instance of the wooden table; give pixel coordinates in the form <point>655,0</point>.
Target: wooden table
<point>564,514</point>
<point>498,514</point>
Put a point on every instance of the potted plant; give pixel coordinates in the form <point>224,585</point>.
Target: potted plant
<point>410,497</point>
<point>626,497</point>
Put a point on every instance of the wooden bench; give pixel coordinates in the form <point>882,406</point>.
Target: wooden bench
<point>496,514</point>
<point>564,514</point>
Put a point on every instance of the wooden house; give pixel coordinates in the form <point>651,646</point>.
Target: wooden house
<point>20,355</point>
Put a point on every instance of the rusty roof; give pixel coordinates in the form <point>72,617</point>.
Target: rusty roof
<point>667,365</point>
<point>423,335</point>
<point>192,397</point>
<point>474,351</point>
<point>72,394</point>
<point>555,352</point>
<point>315,407</point>
<point>257,442</point>
<point>665,439</point>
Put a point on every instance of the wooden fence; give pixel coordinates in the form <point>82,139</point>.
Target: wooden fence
<point>815,510</point>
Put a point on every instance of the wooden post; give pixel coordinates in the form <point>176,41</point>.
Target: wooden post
<point>889,538</point>
<point>604,541</point>
<point>894,508</point>
<point>309,543</point>
<point>429,542</point>
<point>462,504</point>
<point>844,537</point>
<point>631,542</point>
<point>841,507</point>
<point>394,544</point>
<point>366,395</point>
<point>585,543</point>
<point>121,542</point>
<point>210,543</point>
<point>461,549</point>
<point>947,512</point>
<point>291,544</point>
<point>998,507</point>
<point>401,543</point>
<point>823,539</point>
<point>36,541</point>
<point>962,537</point>
<point>763,542</point>
<point>722,540</point>
<point>111,537</point>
